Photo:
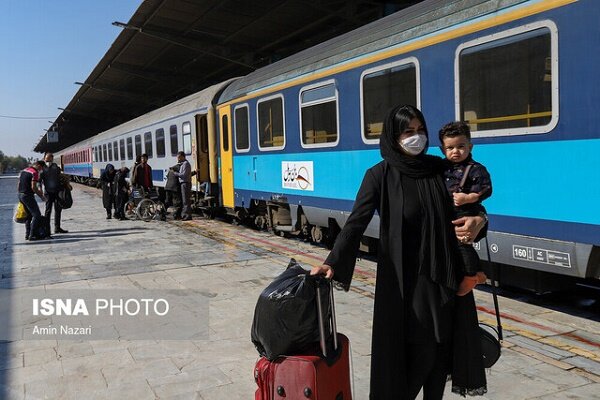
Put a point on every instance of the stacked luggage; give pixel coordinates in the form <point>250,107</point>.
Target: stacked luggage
<point>294,330</point>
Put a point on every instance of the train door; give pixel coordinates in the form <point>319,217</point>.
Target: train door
<point>225,148</point>
<point>202,159</point>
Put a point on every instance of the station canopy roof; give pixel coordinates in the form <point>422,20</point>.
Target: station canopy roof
<point>172,48</point>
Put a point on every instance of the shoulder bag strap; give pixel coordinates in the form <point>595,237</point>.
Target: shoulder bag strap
<point>464,178</point>
<point>494,289</point>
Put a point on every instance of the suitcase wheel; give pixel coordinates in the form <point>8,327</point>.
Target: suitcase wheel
<point>280,391</point>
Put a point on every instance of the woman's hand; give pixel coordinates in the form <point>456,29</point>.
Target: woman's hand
<point>469,282</point>
<point>322,270</point>
<point>467,228</point>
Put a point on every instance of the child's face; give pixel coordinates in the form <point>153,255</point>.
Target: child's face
<point>457,148</point>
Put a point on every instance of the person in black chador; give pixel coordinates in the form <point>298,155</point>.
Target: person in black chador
<point>418,269</point>
<point>50,178</point>
<point>108,189</point>
<point>121,192</point>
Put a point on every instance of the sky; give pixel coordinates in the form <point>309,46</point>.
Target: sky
<point>45,46</point>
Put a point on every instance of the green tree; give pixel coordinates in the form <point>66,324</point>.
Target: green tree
<point>8,163</point>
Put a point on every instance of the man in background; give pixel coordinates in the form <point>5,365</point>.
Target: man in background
<point>185,181</point>
<point>143,174</point>
<point>27,189</point>
<point>50,178</point>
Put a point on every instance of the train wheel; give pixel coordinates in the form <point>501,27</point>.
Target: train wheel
<point>260,222</point>
<point>316,234</point>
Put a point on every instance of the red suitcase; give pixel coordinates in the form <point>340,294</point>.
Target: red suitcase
<point>309,376</point>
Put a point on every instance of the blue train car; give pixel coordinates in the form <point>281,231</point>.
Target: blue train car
<point>296,137</point>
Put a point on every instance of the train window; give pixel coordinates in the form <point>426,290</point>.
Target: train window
<point>241,129</point>
<point>129,149</point>
<point>122,149</point>
<point>384,87</point>
<point>507,83</point>
<point>110,153</point>
<point>115,151</point>
<point>174,140</point>
<point>160,142</point>
<point>187,137</point>
<point>148,144</point>
<point>271,123</point>
<point>103,153</point>
<point>319,115</point>
<point>225,132</point>
<point>94,154</point>
<point>138,145</point>
<point>202,127</point>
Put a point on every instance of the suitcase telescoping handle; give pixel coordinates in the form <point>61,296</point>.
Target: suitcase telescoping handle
<point>321,316</point>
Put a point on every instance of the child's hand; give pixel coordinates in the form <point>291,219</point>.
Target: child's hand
<point>459,199</point>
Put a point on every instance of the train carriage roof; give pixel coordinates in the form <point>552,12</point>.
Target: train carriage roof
<point>171,48</point>
<point>196,101</point>
<point>419,20</point>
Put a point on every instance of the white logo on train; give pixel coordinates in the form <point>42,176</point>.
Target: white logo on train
<point>297,175</point>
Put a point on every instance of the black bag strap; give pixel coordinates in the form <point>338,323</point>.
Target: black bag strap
<point>494,289</point>
<point>464,178</point>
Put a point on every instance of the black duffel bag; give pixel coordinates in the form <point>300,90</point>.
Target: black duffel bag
<point>285,318</point>
<point>65,200</point>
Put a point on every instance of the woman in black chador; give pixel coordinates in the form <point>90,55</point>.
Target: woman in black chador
<point>107,178</point>
<point>418,270</point>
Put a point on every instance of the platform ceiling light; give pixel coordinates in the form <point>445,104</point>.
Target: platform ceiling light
<point>126,26</point>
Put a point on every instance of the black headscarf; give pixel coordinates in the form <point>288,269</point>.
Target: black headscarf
<point>437,253</point>
<point>108,174</point>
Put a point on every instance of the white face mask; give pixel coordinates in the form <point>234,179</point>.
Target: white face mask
<point>414,144</point>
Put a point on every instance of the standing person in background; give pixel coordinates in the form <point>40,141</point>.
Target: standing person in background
<point>108,189</point>
<point>143,175</point>
<point>173,191</point>
<point>27,189</point>
<point>50,178</point>
<point>138,161</point>
<point>185,181</point>
<point>419,269</point>
<point>121,192</point>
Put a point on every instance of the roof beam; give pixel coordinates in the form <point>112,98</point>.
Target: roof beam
<point>124,93</point>
<point>180,41</point>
